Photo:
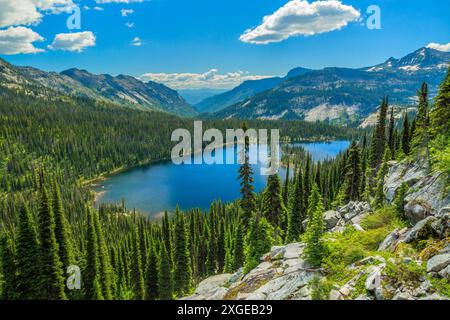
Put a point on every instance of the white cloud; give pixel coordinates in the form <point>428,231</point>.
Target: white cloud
<point>211,79</point>
<point>130,24</point>
<point>15,40</point>
<point>440,47</point>
<point>73,41</point>
<point>98,8</point>
<point>298,17</point>
<point>137,42</point>
<point>126,12</point>
<point>30,12</point>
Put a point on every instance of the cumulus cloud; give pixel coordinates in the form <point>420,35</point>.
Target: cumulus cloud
<point>126,12</point>
<point>30,12</point>
<point>76,42</point>
<point>299,17</point>
<point>15,40</point>
<point>441,47</point>
<point>137,42</point>
<point>210,79</point>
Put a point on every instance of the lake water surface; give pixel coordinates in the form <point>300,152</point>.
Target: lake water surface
<point>162,186</point>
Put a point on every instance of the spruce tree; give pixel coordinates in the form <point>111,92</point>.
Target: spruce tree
<point>9,269</point>
<point>314,250</point>
<point>391,134</point>
<point>297,213</point>
<point>28,269</point>
<point>440,114</point>
<point>105,269</point>
<point>314,200</point>
<point>246,182</point>
<point>52,280</point>
<point>152,277</point>
<point>273,208</point>
<point>421,139</point>
<point>62,228</point>
<point>182,272</point>
<point>165,284</point>
<point>137,272</point>
<point>258,241</point>
<point>399,199</point>
<point>238,256</point>
<point>379,137</point>
<point>286,183</point>
<point>91,273</point>
<point>353,174</point>
<point>406,146</point>
<point>380,197</point>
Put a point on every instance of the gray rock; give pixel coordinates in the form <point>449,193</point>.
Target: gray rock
<point>403,296</point>
<point>293,250</point>
<point>445,273</point>
<point>413,233</point>
<point>434,296</point>
<point>236,276</point>
<point>335,295</point>
<point>416,211</point>
<point>373,281</point>
<point>438,263</point>
<point>331,218</point>
<point>389,241</point>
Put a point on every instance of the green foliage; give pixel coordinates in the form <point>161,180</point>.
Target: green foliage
<point>182,272</point>
<point>320,288</point>
<point>257,242</point>
<point>314,250</point>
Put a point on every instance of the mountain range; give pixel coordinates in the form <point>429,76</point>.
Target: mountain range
<point>122,89</point>
<point>338,95</point>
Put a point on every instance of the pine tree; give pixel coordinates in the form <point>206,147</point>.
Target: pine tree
<point>221,247</point>
<point>313,201</point>
<point>286,183</point>
<point>380,197</point>
<point>165,284</point>
<point>52,285</point>
<point>314,250</point>
<point>406,146</point>
<point>391,134</point>
<point>137,272</point>
<point>297,214</point>
<point>246,182</point>
<point>182,272</point>
<point>353,174</point>
<point>152,279</point>
<point>379,137</point>
<point>28,270</point>
<point>440,114</point>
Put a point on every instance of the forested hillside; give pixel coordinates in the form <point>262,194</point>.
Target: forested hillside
<point>47,222</point>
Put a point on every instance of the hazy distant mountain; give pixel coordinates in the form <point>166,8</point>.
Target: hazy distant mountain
<point>345,95</point>
<point>122,89</point>
<point>194,96</point>
<point>243,91</point>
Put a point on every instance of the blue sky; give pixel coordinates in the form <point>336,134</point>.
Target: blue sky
<point>200,39</point>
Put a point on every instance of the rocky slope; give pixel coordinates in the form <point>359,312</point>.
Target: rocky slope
<point>121,89</point>
<point>344,95</point>
<point>411,263</point>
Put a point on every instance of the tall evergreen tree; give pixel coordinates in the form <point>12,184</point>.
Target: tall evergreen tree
<point>137,272</point>
<point>105,270</point>
<point>52,285</point>
<point>379,137</point>
<point>406,139</point>
<point>391,134</point>
<point>353,174</point>
<point>380,197</point>
<point>238,255</point>
<point>297,213</point>
<point>286,183</point>
<point>314,250</point>
<point>440,114</point>
<point>28,270</point>
<point>152,276</point>
<point>62,228</point>
<point>421,138</point>
<point>258,241</point>
<point>91,274</point>
<point>182,272</point>
<point>165,284</point>
<point>9,269</point>
<point>246,182</point>
<point>273,208</point>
